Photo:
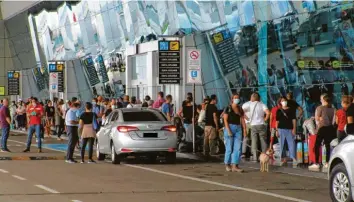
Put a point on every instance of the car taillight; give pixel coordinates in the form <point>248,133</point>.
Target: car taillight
<point>125,129</point>
<point>170,128</point>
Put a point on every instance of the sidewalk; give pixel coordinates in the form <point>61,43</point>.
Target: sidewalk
<point>273,168</point>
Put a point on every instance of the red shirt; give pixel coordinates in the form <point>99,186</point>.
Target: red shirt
<point>342,119</point>
<point>273,123</point>
<point>35,119</point>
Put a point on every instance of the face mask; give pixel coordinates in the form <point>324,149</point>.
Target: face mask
<point>284,103</point>
<point>93,103</point>
<point>236,101</point>
<point>114,107</point>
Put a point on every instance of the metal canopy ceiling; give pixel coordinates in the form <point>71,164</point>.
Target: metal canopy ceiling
<point>49,6</point>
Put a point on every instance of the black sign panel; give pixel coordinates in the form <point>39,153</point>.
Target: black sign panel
<point>102,70</point>
<point>91,71</point>
<point>226,51</point>
<point>13,82</point>
<point>59,68</point>
<point>169,62</point>
<point>39,78</point>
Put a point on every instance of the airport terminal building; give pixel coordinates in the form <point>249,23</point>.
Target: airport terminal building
<point>116,47</point>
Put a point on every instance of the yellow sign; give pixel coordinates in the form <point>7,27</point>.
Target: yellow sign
<point>336,64</point>
<point>16,75</point>
<point>301,64</point>
<point>218,38</point>
<point>59,67</point>
<point>2,90</point>
<point>174,45</point>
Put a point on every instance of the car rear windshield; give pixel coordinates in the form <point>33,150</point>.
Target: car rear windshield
<point>140,116</point>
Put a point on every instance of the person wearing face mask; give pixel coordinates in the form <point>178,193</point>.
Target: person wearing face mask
<point>235,126</point>
<point>34,113</point>
<point>286,128</point>
<point>325,118</point>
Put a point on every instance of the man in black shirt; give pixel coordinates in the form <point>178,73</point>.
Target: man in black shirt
<point>350,119</point>
<point>293,105</point>
<point>211,127</point>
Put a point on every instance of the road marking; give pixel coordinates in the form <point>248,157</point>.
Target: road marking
<point>218,184</point>
<point>76,201</point>
<point>4,171</point>
<point>47,189</point>
<point>18,177</point>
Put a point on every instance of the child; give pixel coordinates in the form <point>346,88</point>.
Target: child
<point>341,118</point>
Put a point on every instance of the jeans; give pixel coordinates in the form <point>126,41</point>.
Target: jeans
<point>286,134</point>
<point>73,134</point>
<point>37,130</point>
<point>5,135</point>
<point>233,144</point>
<point>90,142</point>
<point>261,131</point>
<point>186,125</point>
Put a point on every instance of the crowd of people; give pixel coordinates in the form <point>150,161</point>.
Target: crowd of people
<point>240,130</point>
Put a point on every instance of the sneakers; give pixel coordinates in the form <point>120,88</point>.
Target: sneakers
<point>91,161</point>
<point>70,161</point>
<point>325,166</point>
<point>228,168</point>
<point>82,162</point>
<point>314,167</point>
<point>5,150</point>
<point>26,150</point>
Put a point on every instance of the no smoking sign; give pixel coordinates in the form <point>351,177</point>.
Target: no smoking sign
<point>194,61</point>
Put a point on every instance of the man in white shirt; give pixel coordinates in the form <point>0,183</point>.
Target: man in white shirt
<point>257,113</point>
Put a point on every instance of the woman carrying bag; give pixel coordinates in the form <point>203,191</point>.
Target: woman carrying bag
<point>88,123</point>
<point>234,125</point>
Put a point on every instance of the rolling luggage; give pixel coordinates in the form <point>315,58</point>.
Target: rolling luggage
<point>302,150</point>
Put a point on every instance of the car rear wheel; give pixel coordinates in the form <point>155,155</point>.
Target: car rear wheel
<point>340,187</point>
<point>99,155</point>
<point>171,157</point>
<point>115,157</point>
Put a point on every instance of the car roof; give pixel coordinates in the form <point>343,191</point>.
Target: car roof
<point>137,109</point>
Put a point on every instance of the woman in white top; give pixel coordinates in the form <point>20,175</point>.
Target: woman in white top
<point>201,117</point>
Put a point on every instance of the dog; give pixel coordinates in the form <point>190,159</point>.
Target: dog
<point>264,159</point>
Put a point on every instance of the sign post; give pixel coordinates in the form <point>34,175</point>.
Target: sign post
<point>194,77</point>
<point>169,62</point>
<point>13,79</point>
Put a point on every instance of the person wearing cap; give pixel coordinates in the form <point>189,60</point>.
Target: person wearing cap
<point>34,114</point>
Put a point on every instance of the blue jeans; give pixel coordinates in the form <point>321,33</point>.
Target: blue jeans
<point>73,135</point>
<point>37,130</point>
<point>233,144</point>
<point>286,134</point>
<point>5,134</point>
<point>186,125</point>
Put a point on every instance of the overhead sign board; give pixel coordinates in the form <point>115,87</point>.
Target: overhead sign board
<point>2,90</point>
<point>226,52</point>
<point>91,71</point>
<point>58,67</point>
<point>194,67</point>
<point>102,69</point>
<point>13,82</point>
<point>169,62</point>
<point>39,78</point>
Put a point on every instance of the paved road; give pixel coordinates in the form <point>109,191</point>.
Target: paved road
<point>188,180</point>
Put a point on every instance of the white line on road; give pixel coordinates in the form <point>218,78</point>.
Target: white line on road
<point>4,171</point>
<point>18,177</point>
<point>218,184</point>
<point>47,189</point>
<point>76,201</point>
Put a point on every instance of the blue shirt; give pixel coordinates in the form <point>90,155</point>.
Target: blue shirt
<point>166,108</point>
<point>71,115</point>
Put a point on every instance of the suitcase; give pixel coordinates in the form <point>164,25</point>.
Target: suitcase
<point>302,150</point>
<point>311,143</point>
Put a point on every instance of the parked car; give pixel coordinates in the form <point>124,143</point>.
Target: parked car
<point>136,132</point>
<point>341,171</point>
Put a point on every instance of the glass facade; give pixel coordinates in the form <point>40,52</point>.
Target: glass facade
<point>305,47</point>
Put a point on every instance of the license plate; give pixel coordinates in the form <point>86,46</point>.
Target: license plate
<point>150,135</point>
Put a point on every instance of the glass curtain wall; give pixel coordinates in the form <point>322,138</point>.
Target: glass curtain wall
<point>304,47</point>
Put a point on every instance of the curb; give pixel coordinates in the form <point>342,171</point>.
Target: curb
<point>26,158</point>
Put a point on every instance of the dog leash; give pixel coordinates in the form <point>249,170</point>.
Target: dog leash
<point>257,150</point>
